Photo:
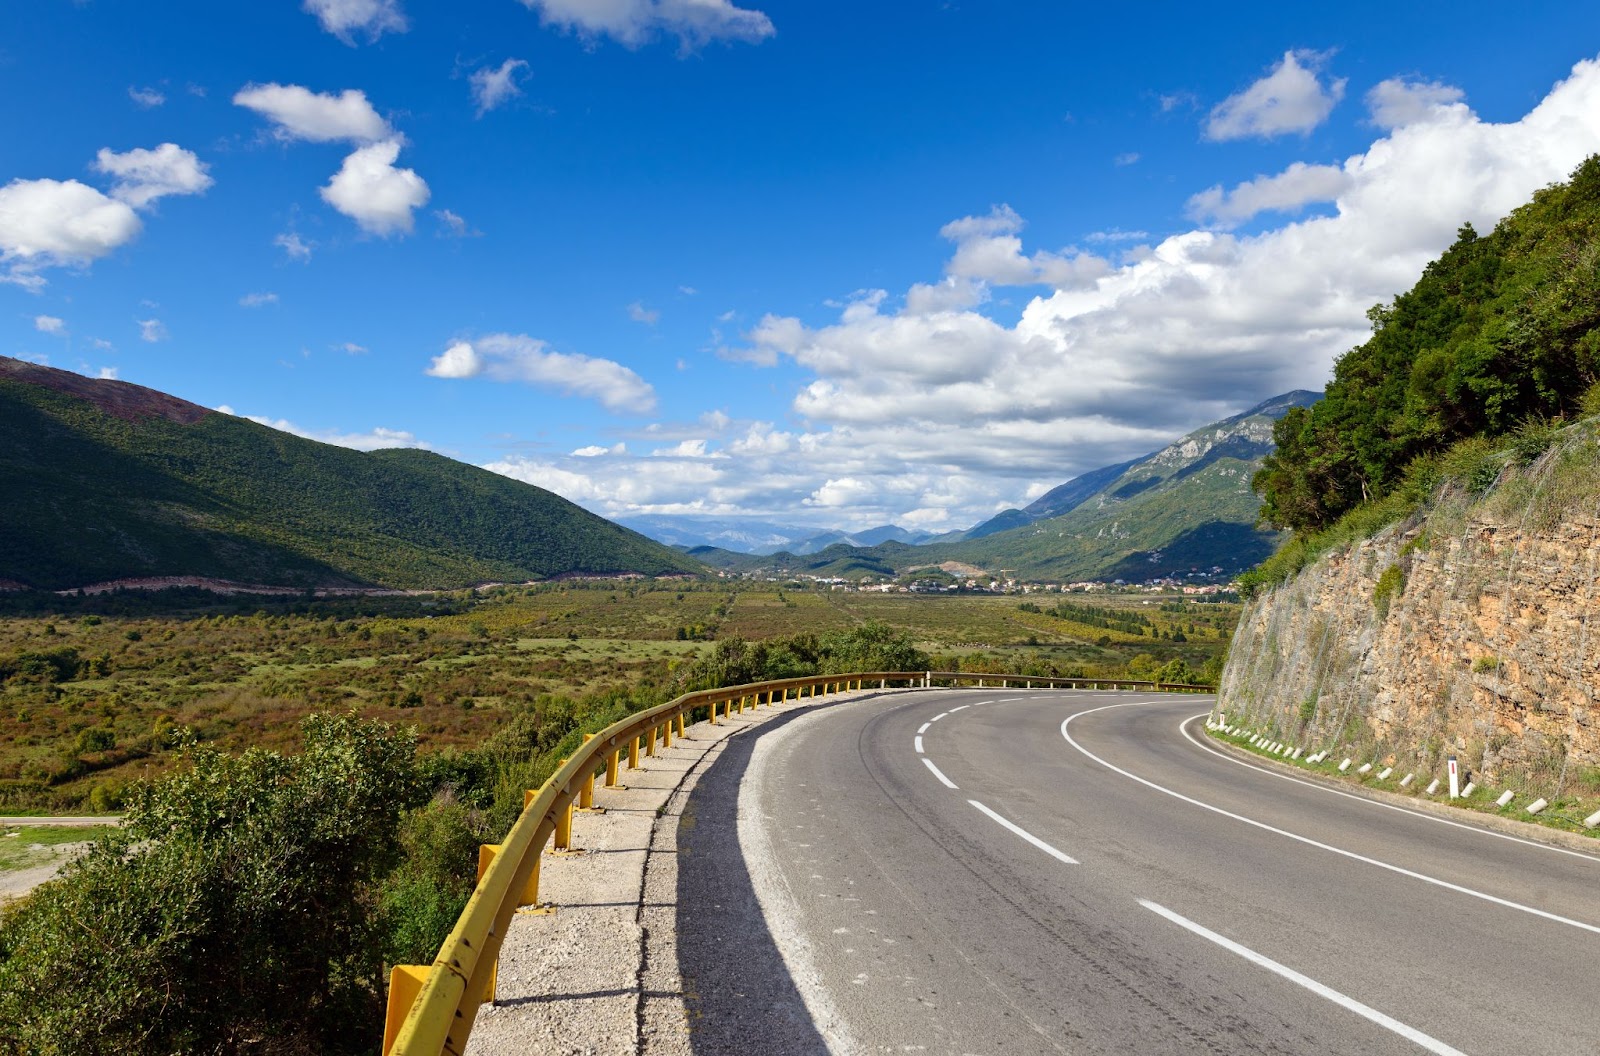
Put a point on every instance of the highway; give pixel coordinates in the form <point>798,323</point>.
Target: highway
<point>1003,871</point>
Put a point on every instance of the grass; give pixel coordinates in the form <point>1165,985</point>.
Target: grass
<point>30,845</point>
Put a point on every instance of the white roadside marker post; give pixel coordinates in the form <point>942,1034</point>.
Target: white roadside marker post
<point>1592,820</point>
<point>1364,768</point>
<point>1344,765</point>
<point>1433,786</point>
<point>1405,782</point>
<point>1537,805</point>
<point>1472,786</point>
<point>1455,779</point>
<point>1386,772</point>
<point>1505,797</point>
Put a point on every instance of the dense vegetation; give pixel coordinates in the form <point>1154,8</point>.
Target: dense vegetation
<point>92,496</point>
<point>1501,331</point>
<point>93,688</point>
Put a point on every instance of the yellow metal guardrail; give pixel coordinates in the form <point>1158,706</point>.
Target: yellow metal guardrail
<point>431,1009</point>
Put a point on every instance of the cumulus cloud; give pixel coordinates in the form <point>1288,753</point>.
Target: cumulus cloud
<point>152,330</point>
<point>635,22</point>
<point>517,357</point>
<point>107,374</point>
<point>373,192</point>
<point>640,314</point>
<point>64,223</point>
<point>141,176</point>
<point>989,249</point>
<point>49,324</point>
<point>347,18</point>
<point>1286,192</point>
<point>1399,101</point>
<point>146,98</point>
<point>949,412</point>
<point>1293,97</point>
<point>493,86</point>
<point>258,300</point>
<point>56,223</point>
<point>298,113</point>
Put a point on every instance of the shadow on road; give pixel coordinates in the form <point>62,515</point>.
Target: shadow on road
<point>738,992</point>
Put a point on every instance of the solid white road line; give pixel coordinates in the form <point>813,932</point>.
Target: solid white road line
<point>1447,885</point>
<point>1184,728</point>
<point>1025,834</point>
<point>1411,1034</point>
<point>936,773</point>
<point>918,743</point>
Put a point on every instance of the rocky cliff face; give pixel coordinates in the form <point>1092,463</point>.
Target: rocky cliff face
<point>1472,630</point>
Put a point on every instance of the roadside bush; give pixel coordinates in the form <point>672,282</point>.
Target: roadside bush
<point>234,911</point>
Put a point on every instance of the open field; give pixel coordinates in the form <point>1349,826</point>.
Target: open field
<point>95,692</point>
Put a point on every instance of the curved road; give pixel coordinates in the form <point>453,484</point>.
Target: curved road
<point>999,871</point>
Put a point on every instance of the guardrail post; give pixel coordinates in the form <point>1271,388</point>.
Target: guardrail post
<point>563,841</point>
<point>405,983</point>
<point>666,733</point>
<point>650,742</point>
<point>633,753</point>
<point>713,719</point>
<point>681,732</point>
<point>612,765</point>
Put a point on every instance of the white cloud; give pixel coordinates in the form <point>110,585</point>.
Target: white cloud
<point>345,18</point>
<point>989,249</point>
<point>1130,158</point>
<point>493,86</point>
<point>49,324</point>
<point>640,314</point>
<point>258,300</point>
<point>301,114</point>
<point>373,440</point>
<point>350,348</point>
<point>517,357</point>
<point>370,190</point>
<point>152,330</point>
<point>1399,101</point>
<point>107,374</point>
<point>55,223</point>
<point>293,246</point>
<point>454,226</point>
<point>1291,98</point>
<point>634,22</point>
<point>947,411</point>
<point>141,176</point>
<point>1116,235</point>
<point>101,344</point>
<point>1286,192</point>
<point>146,98</point>
<point>595,450</point>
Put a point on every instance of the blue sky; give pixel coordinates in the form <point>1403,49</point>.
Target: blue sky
<point>829,263</point>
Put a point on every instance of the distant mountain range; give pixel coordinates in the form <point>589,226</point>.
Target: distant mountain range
<point>745,536</point>
<point>1181,511</point>
<point>104,480</point>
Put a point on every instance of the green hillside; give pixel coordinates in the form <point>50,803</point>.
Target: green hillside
<point>105,480</point>
<point>1500,331</point>
<point>1185,508</point>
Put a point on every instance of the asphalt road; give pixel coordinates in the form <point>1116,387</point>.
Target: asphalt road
<point>1081,872</point>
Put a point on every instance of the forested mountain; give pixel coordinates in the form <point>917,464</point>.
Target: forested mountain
<point>1500,330</point>
<point>106,480</point>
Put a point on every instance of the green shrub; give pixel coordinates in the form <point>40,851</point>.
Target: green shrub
<point>1390,584</point>
<point>236,909</point>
